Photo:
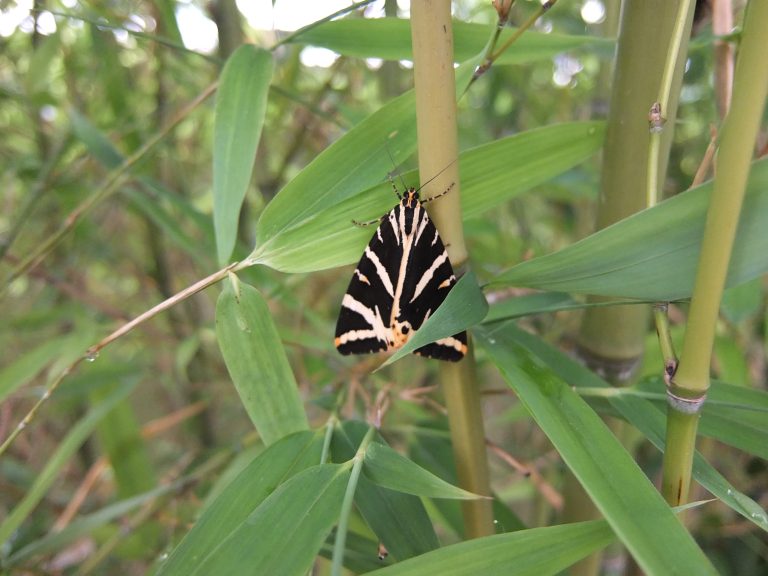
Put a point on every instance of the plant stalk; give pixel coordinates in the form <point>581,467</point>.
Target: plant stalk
<point>612,339</point>
<point>690,383</point>
<point>432,35</point>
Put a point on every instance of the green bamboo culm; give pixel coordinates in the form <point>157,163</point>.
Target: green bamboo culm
<point>432,35</point>
<point>689,385</point>
<point>611,340</point>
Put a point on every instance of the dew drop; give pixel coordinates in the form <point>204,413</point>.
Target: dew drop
<point>91,356</point>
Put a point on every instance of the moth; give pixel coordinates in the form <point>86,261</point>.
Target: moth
<point>401,279</point>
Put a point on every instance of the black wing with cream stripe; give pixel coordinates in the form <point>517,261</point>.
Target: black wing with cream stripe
<point>401,279</point>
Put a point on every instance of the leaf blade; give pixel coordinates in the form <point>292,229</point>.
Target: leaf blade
<point>653,254</point>
<point>241,105</point>
<point>631,505</point>
<point>278,463</point>
<point>389,469</point>
<point>257,363</point>
<point>534,552</point>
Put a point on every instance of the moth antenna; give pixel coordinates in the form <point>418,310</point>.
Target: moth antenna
<point>451,163</point>
<point>394,168</point>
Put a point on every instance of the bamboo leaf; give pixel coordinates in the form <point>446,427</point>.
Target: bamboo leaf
<point>390,39</point>
<point>270,469</point>
<point>534,552</point>
<point>85,525</point>
<point>284,534</point>
<point>632,506</point>
<point>64,349</point>
<point>355,162</point>
<point>308,226</point>
<point>399,520</point>
<point>464,306</point>
<point>653,254</point>
<point>67,447</point>
<point>241,104</point>
<point>257,363</point>
<point>387,468</point>
<point>641,414</point>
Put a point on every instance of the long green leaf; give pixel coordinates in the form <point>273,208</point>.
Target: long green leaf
<point>257,363</point>
<point>270,469</point>
<point>355,162</point>
<point>534,552</point>
<point>67,447</point>
<point>399,520</point>
<point>241,104</point>
<point>653,254</point>
<point>85,525</point>
<point>390,39</point>
<point>308,226</point>
<point>464,306</point>
<point>284,534</point>
<point>642,414</point>
<point>387,468</point>
<point>431,449</point>
<point>64,348</point>
<point>632,506</point>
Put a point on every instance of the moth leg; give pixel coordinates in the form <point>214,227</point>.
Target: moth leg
<point>369,222</point>
<point>443,193</point>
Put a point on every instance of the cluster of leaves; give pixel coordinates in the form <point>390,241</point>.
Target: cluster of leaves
<point>274,506</point>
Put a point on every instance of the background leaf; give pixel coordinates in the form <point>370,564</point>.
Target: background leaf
<point>257,363</point>
<point>652,255</point>
<point>390,39</point>
<point>387,468</point>
<point>534,552</point>
<point>241,103</point>
<point>308,227</point>
<point>641,414</point>
<point>284,534</point>
<point>270,469</point>
<point>399,520</point>
<point>48,475</point>
<point>631,505</point>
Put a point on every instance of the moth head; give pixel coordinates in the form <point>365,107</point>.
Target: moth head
<point>411,196</point>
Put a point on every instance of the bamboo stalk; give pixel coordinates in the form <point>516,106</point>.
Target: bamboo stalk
<point>438,149</point>
<point>611,339</point>
<point>689,386</point>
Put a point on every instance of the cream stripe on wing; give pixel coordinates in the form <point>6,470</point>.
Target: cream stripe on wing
<point>422,225</point>
<point>374,320</point>
<point>454,343</point>
<point>354,335</point>
<point>427,276</point>
<point>380,270</point>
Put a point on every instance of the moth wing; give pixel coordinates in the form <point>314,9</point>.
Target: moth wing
<point>429,279</point>
<point>363,324</point>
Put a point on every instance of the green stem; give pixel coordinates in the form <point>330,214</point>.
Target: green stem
<point>490,55</point>
<point>337,561</point>
<point>665,339</point>
<point>662,101</point>
<point>545,6</point>
<point>435,88</point>
<point>689,386</point>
